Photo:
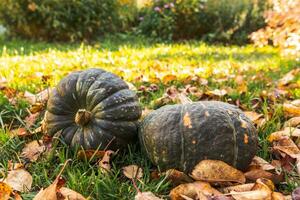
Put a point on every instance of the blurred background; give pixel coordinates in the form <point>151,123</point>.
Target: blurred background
<point>263,22</point>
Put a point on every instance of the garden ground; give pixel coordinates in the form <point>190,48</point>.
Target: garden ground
<point>244,75</point>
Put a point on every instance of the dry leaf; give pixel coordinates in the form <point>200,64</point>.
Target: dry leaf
<point>178,177</point>
<point>17,196</point>
<point>217,93</point>
<point>262,190</point>
<point>146,196</point>
<point>277,196</point>
<point>31,119</point>
<point>49,193</point>
<point>20,132</point>
<point>238,188</point>
<point>41,97</point>
<point>33,150</point>
<point>88,154</point>
<point>286,132</point>
<point>293,122</point>
<point>253,116</point>
<point>296,194</point>
<point>69,194</point>
<point>217,171</point>
<point>105,162</point>
<point>287,146</point>
<point>255,174</point>
<point>288,78</point>
<point>264,165</point>
<point>291,110</point>
<point>5,191</point>
<point>19,179</point>
<point>168,78</point>
<point>133,171</point>
<point>192,189</point>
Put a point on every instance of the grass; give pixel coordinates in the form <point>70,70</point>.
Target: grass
<point>25,64</point>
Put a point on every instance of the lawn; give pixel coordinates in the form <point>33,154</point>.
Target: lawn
<point>33,66</point>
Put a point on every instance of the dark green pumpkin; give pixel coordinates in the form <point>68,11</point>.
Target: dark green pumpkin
<point>93,108</point>
<point>179,136</point>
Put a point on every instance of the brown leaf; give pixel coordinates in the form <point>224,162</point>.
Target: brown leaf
<point>293,122</point>
<point>288,78</point>
<point>5,191</point>
<point>69,194</point>
<point>17,196</point>
<point>41,97</point>
<point>146,196</point>
<point>255,174</point>
<point>286,132</point>
<point>19,179</point>
<point>177,177</point>
<point>49,193</point>
<point>31,119</point>
<point>105,162</point>
<point>88,154</point>
<point>253,116</point>
<point>33,150</point>
<point>239,188</point>
<point>133,171</point>
<point>264,165</point>
<point>20,132</point>
<point>288,147</point>
<point>291,110</point>
<point>217,171</point>
<point>262,189</point>
<point>192,189</point>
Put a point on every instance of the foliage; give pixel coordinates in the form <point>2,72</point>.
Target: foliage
<point>153,68</point>
<point>60,20</point>
<point>212,20</point>
<point>283,27</point>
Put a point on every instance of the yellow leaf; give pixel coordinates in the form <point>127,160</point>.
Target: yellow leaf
<point>5,191</point>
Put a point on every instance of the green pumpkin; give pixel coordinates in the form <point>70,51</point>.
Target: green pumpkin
<point>179,136</point>
<point>93,108</point>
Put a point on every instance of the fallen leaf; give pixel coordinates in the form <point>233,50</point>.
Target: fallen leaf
<point>217,93</point>
<point>168,78</point>
<point>177,177</point>
<point>50,193</point>
<point>191,190</point>
<point>133,171</point>
<point>287,131</point>
<point>31,119</point>
<point>33,150</point>
<point>5,191</point>
<point>277,196</point>
<point>19,179</point>
<point>88,154</point>
<point>104,164</point>
<point>288,78</point>
<point>17,196</point>
<point>238,188</point>
<point>20,132</point>
<point>287,146</point>
<point>296,102</point>
<point>69,194</point>
<point>217,171</point>
<point>293,122</point>
<point>291,110</point>
<point>255,174</point>
<point>253,116</point>
<point>296,193</point>
<point>262,189</point>
<point>146,196</point>
<point>264,165</point>
<point>40,97</point>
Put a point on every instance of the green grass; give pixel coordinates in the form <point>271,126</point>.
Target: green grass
<point>142,62</point>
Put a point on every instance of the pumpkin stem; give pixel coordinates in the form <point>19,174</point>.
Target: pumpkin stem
<point>83,117</point>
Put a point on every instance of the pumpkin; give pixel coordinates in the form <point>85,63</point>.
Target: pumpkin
<point>179,136</point>
<point>93,108</point>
